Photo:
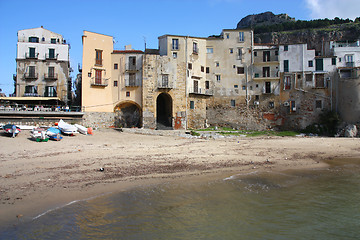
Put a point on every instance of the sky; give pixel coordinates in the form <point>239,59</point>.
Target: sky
<point>138,21</point>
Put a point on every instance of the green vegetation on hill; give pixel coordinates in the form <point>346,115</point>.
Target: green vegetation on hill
<point>300,24</point>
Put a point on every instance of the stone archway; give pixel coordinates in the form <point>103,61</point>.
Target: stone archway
<point>127,115</point>
<point>164,111</point>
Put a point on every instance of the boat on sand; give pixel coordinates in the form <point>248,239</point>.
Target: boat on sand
<point>11,130</point>
<point>66,128</point>
<point>54,134</point>
<point>81,129</point>
<point>39,135</point>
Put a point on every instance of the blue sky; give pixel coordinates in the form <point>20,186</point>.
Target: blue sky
<point>133,22</point>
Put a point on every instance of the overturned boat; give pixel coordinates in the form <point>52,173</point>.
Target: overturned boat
<point>54,134</point>
<point>66,128</point>
<point>11,130</point>
<point>39,135</point>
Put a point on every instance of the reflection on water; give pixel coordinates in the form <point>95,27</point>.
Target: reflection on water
<point>314,204</point>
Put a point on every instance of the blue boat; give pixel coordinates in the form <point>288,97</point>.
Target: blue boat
<point>54,134</point>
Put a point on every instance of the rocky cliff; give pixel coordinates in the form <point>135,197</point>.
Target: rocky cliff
<point>266,18</point>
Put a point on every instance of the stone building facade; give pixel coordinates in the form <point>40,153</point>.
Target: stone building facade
<point>42,65</point>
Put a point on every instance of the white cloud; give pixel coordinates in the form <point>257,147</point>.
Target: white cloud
<point>334,8</point>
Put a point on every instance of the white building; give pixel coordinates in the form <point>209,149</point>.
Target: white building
<point>42,65</point>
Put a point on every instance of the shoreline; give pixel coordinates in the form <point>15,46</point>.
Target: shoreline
<point>36,177</point>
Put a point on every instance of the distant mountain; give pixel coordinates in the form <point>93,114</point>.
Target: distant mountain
<point>266,18</point>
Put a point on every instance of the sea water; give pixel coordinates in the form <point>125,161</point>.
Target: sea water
<point>311,204</point>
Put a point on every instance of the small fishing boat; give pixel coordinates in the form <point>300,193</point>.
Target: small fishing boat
<point>81,129</point>
<point>39,135</point>
<point>54,134</point>
<point>11,130</point>
<point>67,128</point>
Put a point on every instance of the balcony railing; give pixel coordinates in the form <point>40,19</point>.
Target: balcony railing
<point>99,82</point>
<point>131,67</point>
<point>350,64</point>
<point>165,84</point>
<point>51,56</point>
<point>31,56</point>
<point>98,62</point>
<point>31,95</point>
<point>132,82</point>
<point>31,76</point>
<point>201,91</point>
<point>51,76</point>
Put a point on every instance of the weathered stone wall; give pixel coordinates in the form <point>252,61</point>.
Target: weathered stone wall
<point>98,119</point>
<point>197,115</point>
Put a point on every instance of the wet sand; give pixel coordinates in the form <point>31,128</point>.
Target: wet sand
<point>36,177</point>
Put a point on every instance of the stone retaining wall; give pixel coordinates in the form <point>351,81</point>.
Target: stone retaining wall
<point>98,119</point>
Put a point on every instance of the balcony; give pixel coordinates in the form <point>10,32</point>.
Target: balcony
<point>51,56</point>
<point>99,82</point>
<point>31,95</point>
<point>196,51</point>
<point>132,83</point>
<point>131,68</point>
<point>165,85</point>
<point>31,55</point>
<point>51,77</point>
<point>98,62</point>
<point>201,91</point>
<point>350,64</point>
<point>31,76</point>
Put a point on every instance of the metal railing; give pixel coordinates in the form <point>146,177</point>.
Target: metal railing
<point>100,82</point>
<point>31,56</point>
<point>51,56</point>
<point>131,67</point>
<point>201,91</point>
<point>31,76</point>
<point>38,108</point>
<point>132,82</point>
<point>51,76</point>
<point>165,84</point>
<point>98,62</point>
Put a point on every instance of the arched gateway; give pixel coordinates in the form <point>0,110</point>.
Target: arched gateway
<point>127,115</point>
<point>164,111</point>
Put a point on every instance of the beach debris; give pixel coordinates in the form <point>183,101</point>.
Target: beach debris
<point>101,169</point>
<point>18,216</point>
<point>267,160</point>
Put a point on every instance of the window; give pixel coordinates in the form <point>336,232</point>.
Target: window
<point>286,48</point>
<point>207,84</point>
<point>292,106</point>
<point>234,66</point>
<point>53,40</point>
<point>349,58</point>
<point>98,59</point>
<point>98,77</point>
<point>308,77</point>
<point>240,70</point>
<point>207,70</point>
<point>175,44</point>
<point>189,65</point>
<point>195,48</point>
<point>51,53</point>
<point>232,102</point>
<point>196,86</point>
<point>116,66</point>
<point>32,52</point>
<point>250,87</point>
<point>50,91</point>
<point>255,54</point>
<point>132,63</point>
<point>236,86</point>
<point>257,85</point>
<point>310,64</point>
<point>243,87</point>
<point>31,71</point>
<point>192,105</point>
<point>217,64</point>
<point>257,97</point>
<point>227,35</point>
<point>267,87</point>
<point>132,79</point>
<point>115,83</point>
<point>333,61</point>
<point>256,75</point>
<point>231,50</point>
<point>287,82</point>
<point>276,53</point>
<point>319,64</point>
<point>218,78</point>
<point>34,39</point>
<point>128,94</point>
<point>209,50</point>
<point>319,81</point>
<point>266,56</point>
<point>271,105</point>
<point>339,59</point>
<point>266,71</point>
<point>318,104</point>
<point>241,36</point>
<point>286,65</point>
<point>165,80</point>
<point>51,72</point>
<point>239,54</point>
<point>174,55</point>
<point>202,68</point>
<point>31,89</point>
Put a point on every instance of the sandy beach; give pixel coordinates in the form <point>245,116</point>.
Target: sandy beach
<point>36,177</point>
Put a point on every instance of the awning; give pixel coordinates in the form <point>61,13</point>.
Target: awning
<point>29,98</point>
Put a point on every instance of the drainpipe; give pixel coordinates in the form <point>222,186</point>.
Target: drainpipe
<point>186,79</point>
